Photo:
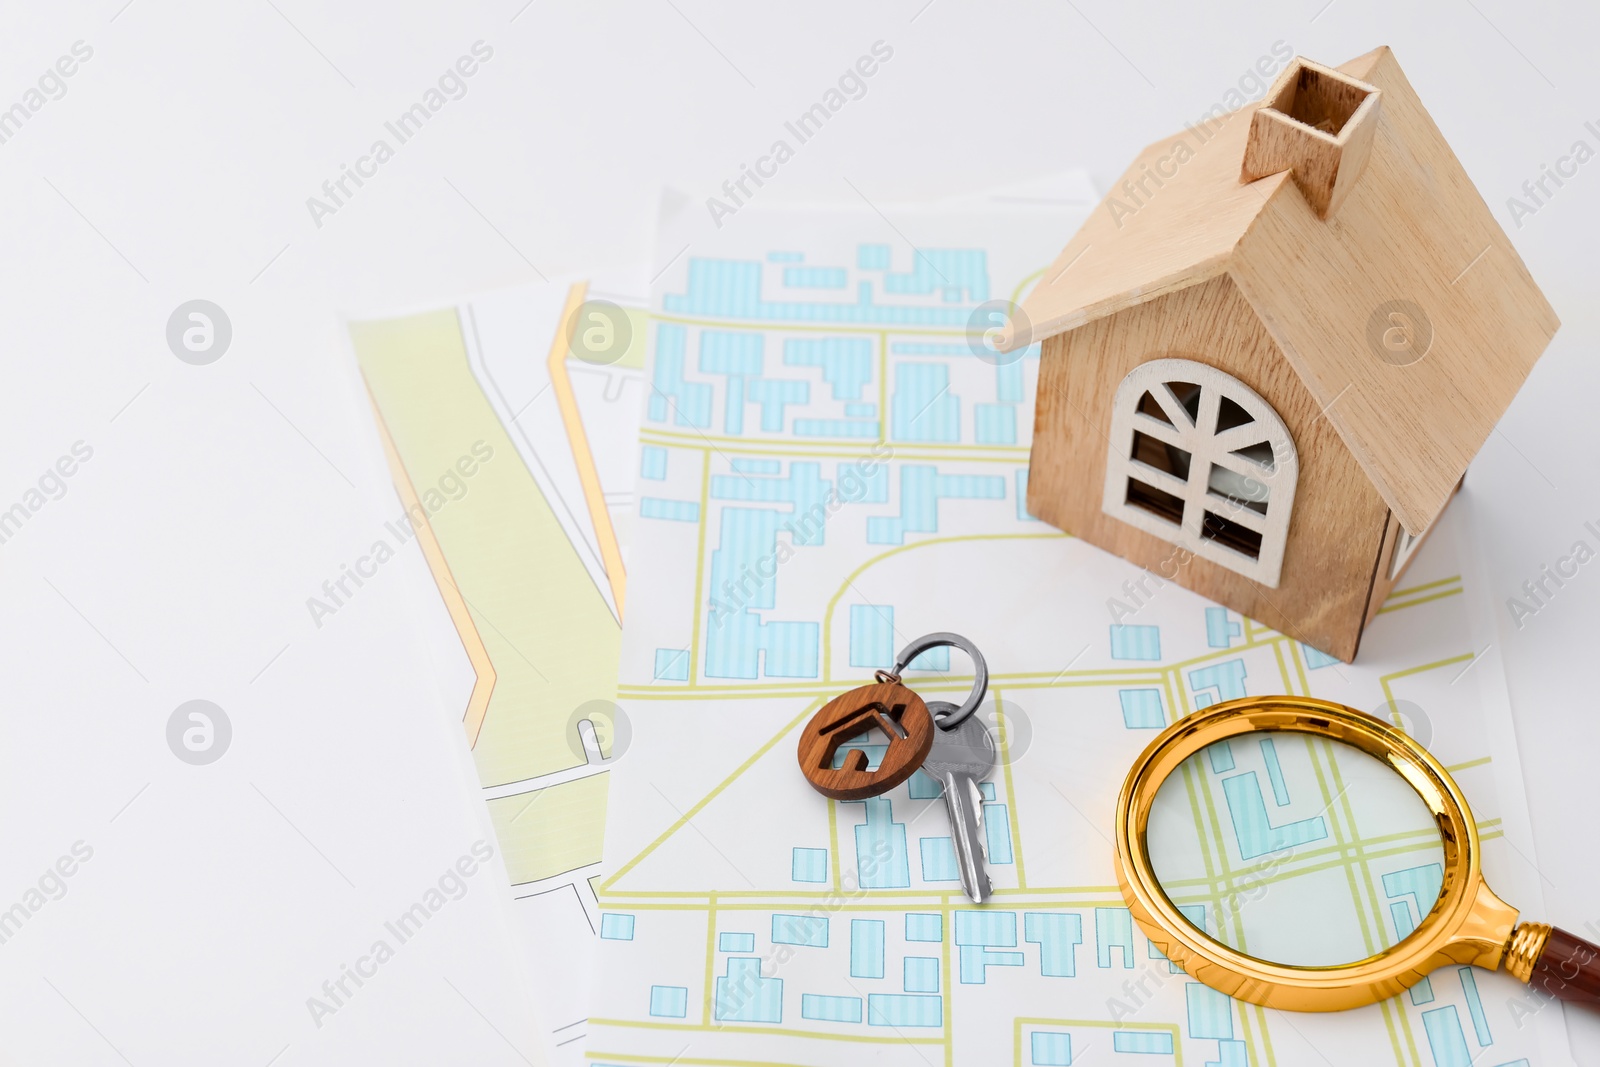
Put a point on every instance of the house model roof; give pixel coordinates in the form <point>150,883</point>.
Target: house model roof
<point>1407,244</point>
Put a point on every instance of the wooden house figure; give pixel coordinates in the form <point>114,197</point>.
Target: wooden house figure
<point>1270,354</point>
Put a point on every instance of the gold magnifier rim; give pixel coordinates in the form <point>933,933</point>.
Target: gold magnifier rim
<point>1467,924</point>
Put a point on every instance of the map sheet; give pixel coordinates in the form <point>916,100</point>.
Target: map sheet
<point>829,469</point>
<point>514,459</point>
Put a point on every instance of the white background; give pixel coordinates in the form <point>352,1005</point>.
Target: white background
<point>178,165</point>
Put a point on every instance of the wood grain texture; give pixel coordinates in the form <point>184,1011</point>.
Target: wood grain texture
<point>882,706</point>
<point>1173,219</point>
<point>1568,969</point>
<point>1413,229</point>
<point>1337,527</point>
<point>1318,124</point>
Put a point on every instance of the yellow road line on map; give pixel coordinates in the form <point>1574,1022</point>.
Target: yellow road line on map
<point>680,1061</point>
<point>1249,1039</point>
<point>578,438</point>
<point>1297,654</point>
<point>947,994</point>
<point>1023,284</point>
<point>833,602</point>
<point>723,1028</point>
<point>1011,790</point>
<point>919,899</point>
<point>1343,855</point>
<point>1364,892</point>
<point>738,772</point>
<point>758,325</point>
<point>1419,600</point>
<point>883,388</point>
<point>699,569</point>
<point>833,844</point>
<point>1405,1030</point>
<point>1395,593</point>
<point>1182,710</point>
<point>947,683</point>
<point>1283,668</point>
<point>711,957</point>
<point>928,904</point>
<point>1218,654</point>
<point>439,567</point>
<point>1100,1024</point>
<point>851,448</point>
<point>1414,837</point>
<point>1388,693</point>
<point>1073,680</point>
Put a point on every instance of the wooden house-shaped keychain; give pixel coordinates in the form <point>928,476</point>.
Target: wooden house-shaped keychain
<point>1270,354</point>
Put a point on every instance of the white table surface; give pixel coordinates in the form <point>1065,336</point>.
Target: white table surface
<point>177,165</point>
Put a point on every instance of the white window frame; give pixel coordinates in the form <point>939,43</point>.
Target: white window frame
<point>1206,447</point>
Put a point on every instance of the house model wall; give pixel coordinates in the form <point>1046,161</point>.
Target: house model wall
<point>1270,354</point>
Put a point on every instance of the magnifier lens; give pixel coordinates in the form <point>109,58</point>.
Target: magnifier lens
<point>1294,849</point>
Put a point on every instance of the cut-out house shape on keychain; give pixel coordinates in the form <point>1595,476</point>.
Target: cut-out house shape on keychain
<point>1271,352</point>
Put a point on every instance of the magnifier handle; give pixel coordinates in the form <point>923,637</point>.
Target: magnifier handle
<point>1568,968</point>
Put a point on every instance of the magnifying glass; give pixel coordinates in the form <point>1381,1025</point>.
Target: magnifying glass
<point>1303,855</point>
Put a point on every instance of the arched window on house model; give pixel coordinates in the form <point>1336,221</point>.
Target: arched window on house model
<point>1199,459</point>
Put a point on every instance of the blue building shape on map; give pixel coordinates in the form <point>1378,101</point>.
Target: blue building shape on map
<point>687,403</point>
<point>743,995</point>
<point>731,289</point>
<point>739,643</point>
<point>921,489</point>
<point>1058,935</point>
<point>882,860</point>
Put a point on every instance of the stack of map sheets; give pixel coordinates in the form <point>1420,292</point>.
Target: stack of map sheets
<point>804,458</point>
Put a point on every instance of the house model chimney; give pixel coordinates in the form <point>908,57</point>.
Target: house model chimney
<point>1319,125</point>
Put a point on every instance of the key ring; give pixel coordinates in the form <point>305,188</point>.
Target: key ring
<point>840,756</point>
<point>831,753</point>
<point>945,714</point>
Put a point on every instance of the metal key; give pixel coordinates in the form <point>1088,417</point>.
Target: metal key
<point>961,756</point>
